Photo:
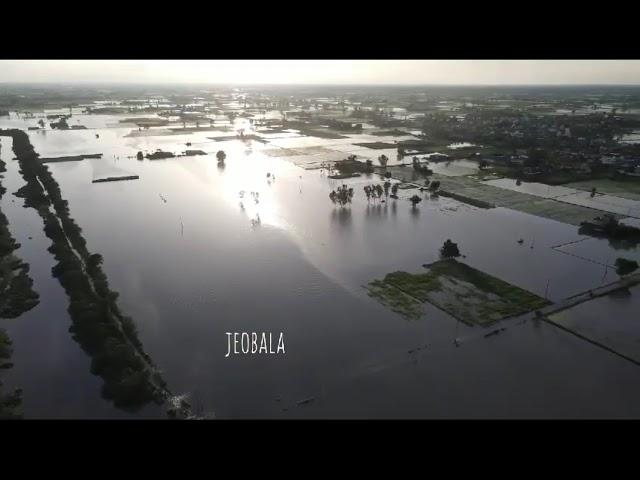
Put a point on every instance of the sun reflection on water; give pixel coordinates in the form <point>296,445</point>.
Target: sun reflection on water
<point>248,184</point>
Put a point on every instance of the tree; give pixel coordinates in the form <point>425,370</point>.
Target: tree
<point>342,196</point>
<point>415,200</point>
<point>386,188</point>
<point>94,261</point>
<point>394,190</point>
<point>435,185</point>
<point>483,164</point>
<point>383,159</point>
<point>624,266</point>
<point>367,192</point>
<point>449,250</point>
<point>221,156</point>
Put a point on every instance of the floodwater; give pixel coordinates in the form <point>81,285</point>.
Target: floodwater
<point>194,255</point>
<point>611,320</point>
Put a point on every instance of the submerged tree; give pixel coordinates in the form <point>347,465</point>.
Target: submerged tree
<point>415,200</point>
<point>342,195</point>
<point>368,192</point>
<point>369,164</point>
<point>221,156</point>
<point>449,250</point>
<point>387,185</point>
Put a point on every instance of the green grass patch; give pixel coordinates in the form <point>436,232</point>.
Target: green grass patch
<point>377,145</point>
<point>620,188</point>
<point>395,299</point>
<point>465,293</point>
<point>390,133</point>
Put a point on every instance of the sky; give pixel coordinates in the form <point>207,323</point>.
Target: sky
<point>359,72</point>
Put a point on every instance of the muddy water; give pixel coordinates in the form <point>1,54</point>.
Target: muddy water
<point>193,259</point>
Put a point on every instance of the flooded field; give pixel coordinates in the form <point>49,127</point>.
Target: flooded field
<point>196,249</point>
<point>601,202</point>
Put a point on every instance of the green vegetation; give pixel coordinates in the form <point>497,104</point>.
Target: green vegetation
<point>464,199</point>
<point>350,166</point>
<point>467,294</point>
<point>395,299</point>
<point>415,200</point>
<point>316,132</point>
<point>621,188</point>
<point>471,190</point>
<point>116,179</point>
<point>71,158</point>
<point>390,133</point>
<point>449,250</point>
<point>624,266</point>
<point>376,145</point>
<point>341,196</point>
<point>375,191</point>
<point>417,285</point>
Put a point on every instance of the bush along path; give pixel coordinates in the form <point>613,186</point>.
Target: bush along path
<point>131,380</point>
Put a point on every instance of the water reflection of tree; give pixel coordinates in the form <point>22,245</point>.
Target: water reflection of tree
<point>341,217</point>
<point>377,210</point>
<point>9,402</point>
<point>627,243</point>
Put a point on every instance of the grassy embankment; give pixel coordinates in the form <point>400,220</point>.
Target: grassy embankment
<point>108,337</point>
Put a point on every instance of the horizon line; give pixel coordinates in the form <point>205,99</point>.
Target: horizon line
<point>227,84</point>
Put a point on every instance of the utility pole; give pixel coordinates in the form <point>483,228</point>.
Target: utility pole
<point>546,290</point>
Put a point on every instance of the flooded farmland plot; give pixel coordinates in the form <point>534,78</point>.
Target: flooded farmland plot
<point>611,321</point>
<point>191,231</point>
